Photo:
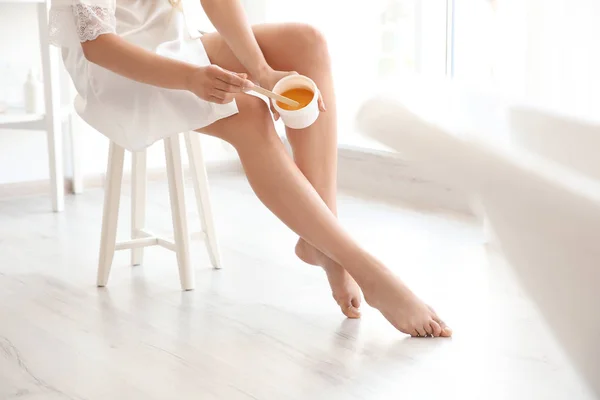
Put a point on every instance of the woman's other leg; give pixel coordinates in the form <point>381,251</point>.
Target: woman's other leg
<point>301,48</point>
<point>284,189</point>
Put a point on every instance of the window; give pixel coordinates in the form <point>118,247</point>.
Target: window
<point>541,51</point>
<point>370,42</point>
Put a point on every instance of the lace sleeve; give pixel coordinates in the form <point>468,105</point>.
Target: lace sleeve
<point>76,21</point>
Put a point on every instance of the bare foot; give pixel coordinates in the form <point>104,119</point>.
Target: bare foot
<point>405,311</point>
<point>345,290</point>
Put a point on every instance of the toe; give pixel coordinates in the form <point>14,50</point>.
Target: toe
<point>421,332</point>
<point>428,329</point>
<point>351,312</point>
<point>435,328</point>
<point>356,301</point>
<point>446,331</point>
<point>350,308</point>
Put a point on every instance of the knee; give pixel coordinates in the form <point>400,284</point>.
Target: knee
<point>311,40</point>
<point>257,124</point>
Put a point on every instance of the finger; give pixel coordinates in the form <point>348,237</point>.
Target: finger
<point>322,107</point>
<point>248,84</point>
<point>274,111</point>
<point>234,79</point>
<point>219,94</point>
<point>216,100</point>
<point>227,87</point>
<point>221,100</point>
<point>223,95</point>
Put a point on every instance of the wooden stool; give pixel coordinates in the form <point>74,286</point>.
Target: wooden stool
<point>141,238</point>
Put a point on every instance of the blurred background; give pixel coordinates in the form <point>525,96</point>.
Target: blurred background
<point>507,253</point>
<point>539,51</point>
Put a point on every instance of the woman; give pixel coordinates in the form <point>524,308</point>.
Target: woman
<point>141,78</point>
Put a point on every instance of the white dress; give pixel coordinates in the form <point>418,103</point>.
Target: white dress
<point>132,114</point>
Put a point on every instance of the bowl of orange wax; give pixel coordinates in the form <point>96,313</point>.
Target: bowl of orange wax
<point>303,90</point>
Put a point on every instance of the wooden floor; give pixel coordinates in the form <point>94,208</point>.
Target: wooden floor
<point>264,327</point>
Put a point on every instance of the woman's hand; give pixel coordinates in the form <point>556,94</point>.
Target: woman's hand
<point>271,77</point>
<point>217,85</point>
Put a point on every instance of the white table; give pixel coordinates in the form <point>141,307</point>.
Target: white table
<point>54,117</point>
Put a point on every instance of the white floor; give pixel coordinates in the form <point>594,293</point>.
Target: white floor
<point>264,327</point>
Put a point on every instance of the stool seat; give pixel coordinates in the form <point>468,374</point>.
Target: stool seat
<point>140,238</point>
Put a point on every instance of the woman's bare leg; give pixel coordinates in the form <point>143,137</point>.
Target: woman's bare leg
<point>309,214</point>
<point>315,151</point>
<point>282,187</point>
<point>315,148</point>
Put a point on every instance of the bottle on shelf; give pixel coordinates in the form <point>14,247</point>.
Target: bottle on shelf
<point>33,94</point>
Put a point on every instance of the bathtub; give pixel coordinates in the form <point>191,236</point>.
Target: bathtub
<point>532,178</point>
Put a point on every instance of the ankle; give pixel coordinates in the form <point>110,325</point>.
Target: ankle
<point>305,252</point>
<point>370,274</point>
<point>313,256</point>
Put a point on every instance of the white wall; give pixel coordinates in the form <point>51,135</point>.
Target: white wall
<point>23,155</point>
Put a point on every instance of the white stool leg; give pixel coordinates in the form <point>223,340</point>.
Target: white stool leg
<point>177,197</point>
<point>52,109</point>
<point>110,214</point>
<point>201,187</point>
<point>57,176</point>
<point>138,202</point>
<point>75,156</point>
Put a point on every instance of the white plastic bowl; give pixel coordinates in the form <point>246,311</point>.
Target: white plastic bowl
<point>306,116</point>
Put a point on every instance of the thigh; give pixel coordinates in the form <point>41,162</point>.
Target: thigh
<point>252,124</point>
<point>286,47</point>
